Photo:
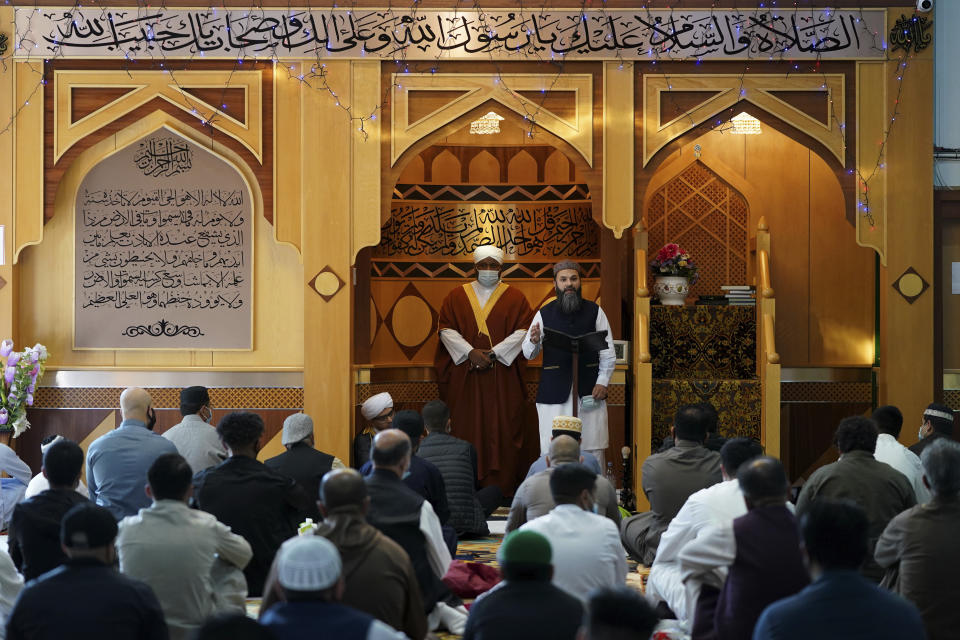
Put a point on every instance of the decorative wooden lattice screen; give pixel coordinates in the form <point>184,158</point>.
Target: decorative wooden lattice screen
<point>702,214</point>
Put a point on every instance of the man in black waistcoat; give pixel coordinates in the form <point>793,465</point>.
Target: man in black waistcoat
<point>407,518</point>
<point>572,315</point>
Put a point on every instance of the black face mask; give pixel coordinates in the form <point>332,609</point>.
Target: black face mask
<point>151,419</point>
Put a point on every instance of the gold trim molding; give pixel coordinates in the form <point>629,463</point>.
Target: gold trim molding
<point>481,87</point>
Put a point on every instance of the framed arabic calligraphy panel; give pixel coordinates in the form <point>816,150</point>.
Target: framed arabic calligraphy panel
<point>163,250</point>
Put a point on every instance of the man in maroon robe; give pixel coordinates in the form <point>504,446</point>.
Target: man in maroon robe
<point>482,326</point>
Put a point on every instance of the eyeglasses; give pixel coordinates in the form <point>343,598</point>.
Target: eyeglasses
<point>389,416</point>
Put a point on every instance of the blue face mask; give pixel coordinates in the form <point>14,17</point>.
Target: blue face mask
<point>488,278</point>
<point>587,403</point>
<point>406,474</point>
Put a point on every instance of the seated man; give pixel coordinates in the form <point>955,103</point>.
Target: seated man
<point>195,437</point>
<point>586,547</point>
<point>86,599</point>
<point>12,489</point>
<point>310,581</point>
<point>918,548</point>
<point>669,478</point>
<point>301,461</point>
<point>260,504</point>
<point>423,476</point>
<point>457,461</point>
<point>714,506</point>
<point>878,488</point>
<point>839,603</point>
<point>937,423</point>
<point>34,535</point>
<point>378,412</point>
<point>377,574</point>
<point>573,427</point>
<point>714,440</point>
<point>408,519</point>
<point>525,606</point>
<point>759,552</point>
<point>889,422</point>
<point>174,548</point>
<point>117,461</point>
<point>618,614</point>
<point>534,497</point>
<point>39,482</point>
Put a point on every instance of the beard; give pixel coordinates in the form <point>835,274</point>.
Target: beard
<point>570,300</point>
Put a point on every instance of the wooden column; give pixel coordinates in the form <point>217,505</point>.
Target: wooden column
<point>906,328</point>
<point>7,164</point>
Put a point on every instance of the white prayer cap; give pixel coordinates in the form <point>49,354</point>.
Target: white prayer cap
<point>487,251</point>
<point>44,447</point>
<point>375,405</point>
<point>308,563</point>
<point>296,427</point>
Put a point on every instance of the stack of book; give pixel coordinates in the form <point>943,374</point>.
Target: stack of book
<point>743,295</point>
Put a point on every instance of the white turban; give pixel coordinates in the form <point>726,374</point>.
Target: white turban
<point>487,251</point>
<point>375,405</point>
<point>44,447</point>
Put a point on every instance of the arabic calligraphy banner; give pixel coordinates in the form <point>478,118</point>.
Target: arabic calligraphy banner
<point>414,34</point>
<point>163,250</point>
<point>545,231</point>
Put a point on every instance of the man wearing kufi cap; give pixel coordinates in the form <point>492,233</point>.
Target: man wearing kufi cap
<point>39,483</point>
<point>308,570</point>
<point>937,423</point>
<point>482,325</point>
<point>301,461</point>
<point>195,437</point>
<point>567,426</point>
<point>526,605</point>
<point>87,598</point>
<point>377,410</point>
<point>571,314</point>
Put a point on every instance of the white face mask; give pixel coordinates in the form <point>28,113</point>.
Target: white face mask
<point>488,278</point>
<point>920,433</point>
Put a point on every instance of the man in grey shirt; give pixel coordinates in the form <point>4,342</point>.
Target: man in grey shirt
<point>534,498</point>
<point>195,438</point>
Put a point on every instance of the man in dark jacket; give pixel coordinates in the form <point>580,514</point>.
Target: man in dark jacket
<point>937,423</point>
<point>301,461</point>
<point>256,502</point>
<point>526,605</point>
<point>86,599</point>
<point>34,534</point>
<point>457,461</point>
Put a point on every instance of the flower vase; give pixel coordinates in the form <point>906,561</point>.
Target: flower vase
<point>671,290</point>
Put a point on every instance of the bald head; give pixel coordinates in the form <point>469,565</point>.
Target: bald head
<point>563,449</point>
<point>391,450</point>
<point>134,403</point>
<point>763,482</point>
<point>342,488</point>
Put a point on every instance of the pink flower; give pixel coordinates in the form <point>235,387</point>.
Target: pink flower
<point>6,348</point>
<point>35,371</point>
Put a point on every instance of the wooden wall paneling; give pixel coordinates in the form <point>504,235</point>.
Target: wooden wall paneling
<point>523,169</point>
<point>872,121</point>
<point>328,243</point>
<point>906,338</point>
<point>841,315</point>
<point>446,169</point>
<point>768,156</point>
<point>287,178</point>
<point>8,271</point>
<point>483,169</point>
<point>365,152</point>
<point>27,131</point>
<point>617,146</point>
<point>948,219</point>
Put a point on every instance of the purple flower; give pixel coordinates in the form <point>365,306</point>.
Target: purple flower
<point>11,399</point>
<point>6,348</point>
<point>29,400</point>
<point>4,416</point>
<point>32,387</point>
<point>8,374</point>
<point>34,356</point>
<point>13,359</point>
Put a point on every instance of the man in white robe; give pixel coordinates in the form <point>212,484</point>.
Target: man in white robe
<point>573,315</point>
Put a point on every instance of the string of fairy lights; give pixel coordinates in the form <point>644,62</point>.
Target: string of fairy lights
<point>317,76</point>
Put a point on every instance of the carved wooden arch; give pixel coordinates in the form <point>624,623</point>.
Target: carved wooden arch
<point>591,175</point>
<point>845,177</point>
<point>67,189</point>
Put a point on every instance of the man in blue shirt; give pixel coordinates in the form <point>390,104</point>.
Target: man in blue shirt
<point>839,603</point>
<point>117,462</point>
